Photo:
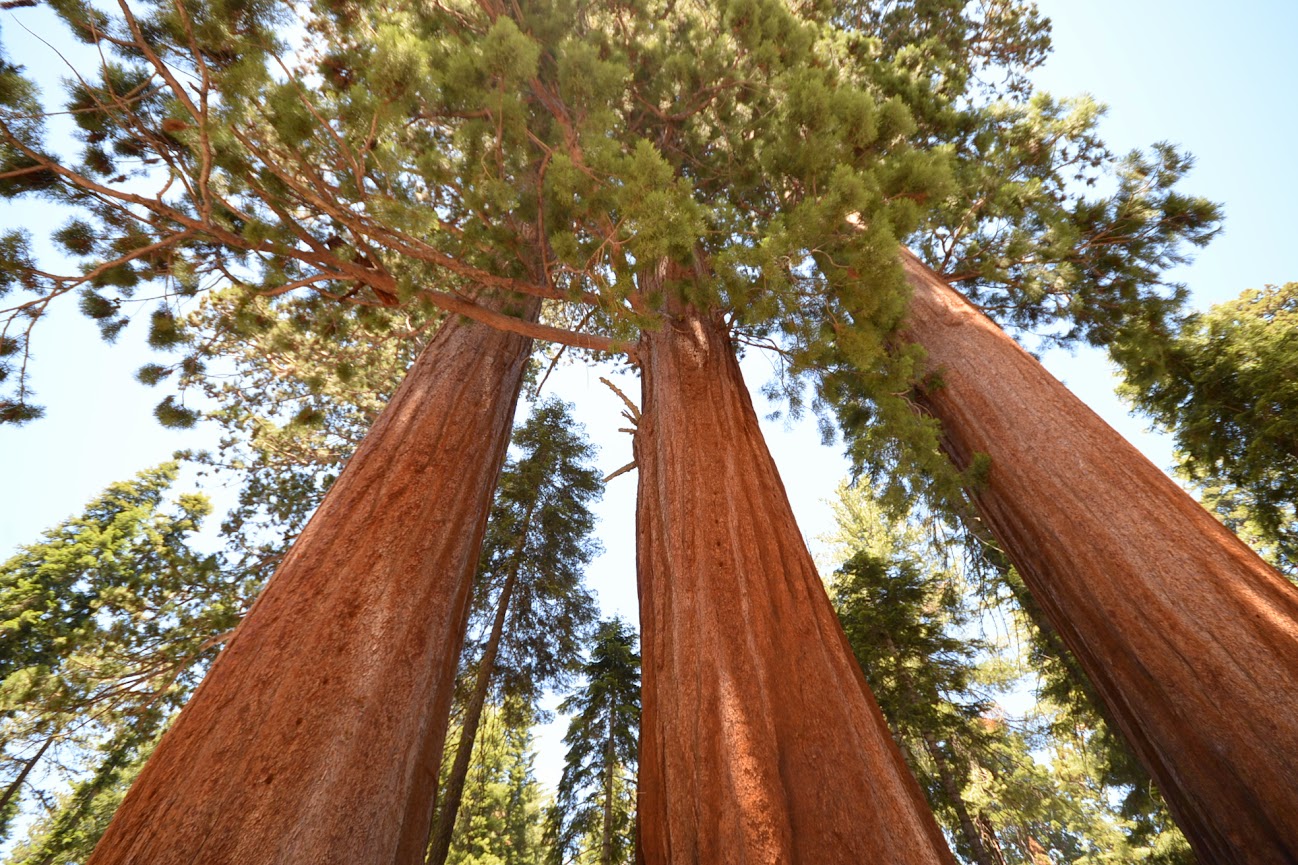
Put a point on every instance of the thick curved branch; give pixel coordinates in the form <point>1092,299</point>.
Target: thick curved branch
<point>508,323</point>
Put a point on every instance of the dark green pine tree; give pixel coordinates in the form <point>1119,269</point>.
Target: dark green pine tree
<point>593,817</point>
<point>1226,386</point>
<point>529,595</point>
<point>106,626</point>
<point>900,617</point>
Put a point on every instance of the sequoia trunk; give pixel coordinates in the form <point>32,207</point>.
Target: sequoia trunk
<point>760,742</point>
<point>317,734</point>
<point>1190,639</point>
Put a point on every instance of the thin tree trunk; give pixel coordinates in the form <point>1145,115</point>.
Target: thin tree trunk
<point>954,792</point>
<point>448,805</point>
<point>1036,854</point>
<point>990,842</point>
<point>760,742</point>
<point>12,790</point>
<point>1189,638</point>
<point>610,761</point>
<point>317,734</point>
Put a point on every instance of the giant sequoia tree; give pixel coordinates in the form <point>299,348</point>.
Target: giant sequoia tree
<point>669,181</point>
<point>1189,638</point>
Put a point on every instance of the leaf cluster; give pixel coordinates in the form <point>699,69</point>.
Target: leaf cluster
<point>1226,386</point>
<point>107,625</point>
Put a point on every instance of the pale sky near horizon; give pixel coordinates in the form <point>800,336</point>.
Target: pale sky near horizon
<point>1218,80</point>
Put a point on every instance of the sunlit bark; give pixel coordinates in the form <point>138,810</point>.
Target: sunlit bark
<point>760,742</point>
<point>1190,639</point>
<point>317,735</point>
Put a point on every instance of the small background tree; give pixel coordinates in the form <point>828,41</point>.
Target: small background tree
<point>593,817</point>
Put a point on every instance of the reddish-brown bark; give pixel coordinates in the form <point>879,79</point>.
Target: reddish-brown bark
<point>760,742</point>
<point>1190,639</point>
<point>316,736</point>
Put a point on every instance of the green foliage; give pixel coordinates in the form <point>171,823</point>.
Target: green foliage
<point>1040,225</point>
<point>724,145</point>
<point>1053,785</point>
<point>77,237</point>
<point>105,627</point>
<point>592,819</point>
<point>171,413</point>
<point>905,621</point>
<point>67,834</point>
<point>1226,386</point>
<point>164,330</point>
<point>500,819</point>
<point>749,156</point>
<point>105,312</point>
<point>18,412</point>
<point>1270,528</point>
<point>152,373</point>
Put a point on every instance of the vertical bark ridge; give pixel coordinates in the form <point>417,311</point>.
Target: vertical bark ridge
<point>1189,638</point>
<point>760,741</point>
<point>317,734</point>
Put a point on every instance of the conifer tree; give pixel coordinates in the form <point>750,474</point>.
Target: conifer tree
<point>530,585</point>
<point>896,619</point>
<point>107,624</point>
<point>501,819</point>
<point>449,425</point>
<point>69,832</point>
<point>1226,386</point>
<point>593,817</point>
<point>1012,244</point>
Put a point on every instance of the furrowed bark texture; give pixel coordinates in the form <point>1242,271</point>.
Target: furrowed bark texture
<point>760,741</point>
<point>317,734</point>
<point>1189,638</point>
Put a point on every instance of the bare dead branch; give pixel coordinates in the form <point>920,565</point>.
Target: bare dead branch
<point>626,468</point>
<point>632,407</point>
